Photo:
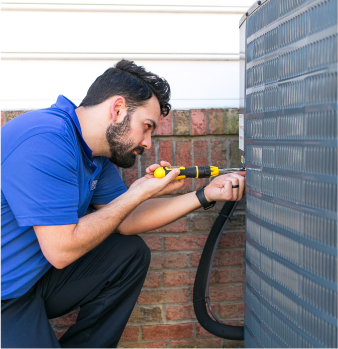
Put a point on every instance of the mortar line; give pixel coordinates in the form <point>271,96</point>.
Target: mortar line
<point>139,166</point>
<point>207,117</point>
<point>225,121</point>
<point>157,148</point>
<point>192,163</point>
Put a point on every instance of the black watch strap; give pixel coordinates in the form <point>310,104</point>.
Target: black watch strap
<point>202,199</point>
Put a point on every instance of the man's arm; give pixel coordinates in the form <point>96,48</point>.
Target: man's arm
<point>156,213</point>
<point>63,244</point>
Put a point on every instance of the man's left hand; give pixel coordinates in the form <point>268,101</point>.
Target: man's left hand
<point>229,187</point>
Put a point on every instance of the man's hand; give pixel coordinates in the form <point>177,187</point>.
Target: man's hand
<point>221,188</point>
<point>154,183</point>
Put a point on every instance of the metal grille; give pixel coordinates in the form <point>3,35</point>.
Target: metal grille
<point>290,134</point>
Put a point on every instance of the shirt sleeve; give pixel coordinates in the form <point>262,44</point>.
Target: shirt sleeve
<point>39,181</point>
<point>109,185</point>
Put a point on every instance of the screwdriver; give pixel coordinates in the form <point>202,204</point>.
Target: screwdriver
<point>195,172</point>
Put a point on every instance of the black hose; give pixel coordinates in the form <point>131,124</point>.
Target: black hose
<point>201,280</point>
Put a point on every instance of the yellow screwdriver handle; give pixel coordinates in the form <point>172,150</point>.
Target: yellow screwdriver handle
<point>190,172</point>
<point>163,171</point>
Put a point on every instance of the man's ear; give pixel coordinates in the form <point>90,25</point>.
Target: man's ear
<point>118,104</point>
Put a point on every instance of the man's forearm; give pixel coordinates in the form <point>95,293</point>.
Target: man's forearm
<point>155,213</point>
<point>62,245</point>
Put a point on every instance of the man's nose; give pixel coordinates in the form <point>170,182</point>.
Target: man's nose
<point>146,143</point>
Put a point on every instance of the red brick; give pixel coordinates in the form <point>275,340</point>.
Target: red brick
<point>225,293</point>
<point>165,152</point>
<point>182,278</point>
<point>216,121</point>
<point>152,280</point>
<point>130,175</point>
<point>185,242</point>
<point>197,343</point>
<point>200,153</point>
<point>163,296</point>
<point>181,122</point>
<point>182,312</point>
<point>186,188</point>
<point>195,259</point>
<point>130,333</point>
<point>234,310</point>
<point>164,126</point>
<point>2,118</point>
<point>179,278</point>
<point>201,182</point>
<point>67,320</point>
<point>221,258</point>
<point>183,158</point>
<point>236,239</point>
<point>236,221</point>
<point>202,221</point>
<point>179,226</point>
<point>161,344</point>
<point>233,344</point>
<point>169,260</point>
<point>232,257</point>
<point>183,153</point>
<point>147,159</point>
<point>232,121</point>
<point>146,314</point>
<point>219,152</point>
<point>167,331</point>
<point>153,242</point>
<point>201,332</point>
<point>231,275</point>
<point>60,333</point>
<point>179,312</point>
<point>198,122</point>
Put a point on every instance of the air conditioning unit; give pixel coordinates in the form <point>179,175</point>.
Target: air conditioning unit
<point>288,144</point>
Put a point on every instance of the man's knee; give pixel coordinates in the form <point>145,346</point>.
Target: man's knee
<point>140,249</point>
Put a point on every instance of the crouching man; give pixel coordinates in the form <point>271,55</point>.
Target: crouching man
<point>56,162</point>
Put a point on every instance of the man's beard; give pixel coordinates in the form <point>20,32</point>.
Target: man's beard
<point>121,148</point>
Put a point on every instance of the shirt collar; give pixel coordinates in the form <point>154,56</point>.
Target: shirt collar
<point>69,107</point>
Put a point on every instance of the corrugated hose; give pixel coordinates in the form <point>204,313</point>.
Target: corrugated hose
<point>201,287</point>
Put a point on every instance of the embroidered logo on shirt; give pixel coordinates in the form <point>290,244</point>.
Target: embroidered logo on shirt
<point>94,184</point>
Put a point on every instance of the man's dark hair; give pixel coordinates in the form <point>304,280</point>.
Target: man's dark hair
<point>133,83</point>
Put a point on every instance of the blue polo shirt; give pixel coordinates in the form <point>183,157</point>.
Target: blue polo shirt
<point>49,177</point>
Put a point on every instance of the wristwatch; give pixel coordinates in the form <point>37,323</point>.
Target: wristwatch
<point>202,199</point>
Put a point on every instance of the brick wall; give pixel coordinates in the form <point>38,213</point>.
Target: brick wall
<point>164,315</point>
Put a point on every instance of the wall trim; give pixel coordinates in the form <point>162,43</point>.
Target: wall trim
<point>118,56</point>
<point>122,8</point>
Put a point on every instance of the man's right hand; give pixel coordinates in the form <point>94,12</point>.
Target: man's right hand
<point>170,184</point>
<point>152,187</point>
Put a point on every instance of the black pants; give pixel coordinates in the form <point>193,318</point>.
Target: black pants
<point>105,284</point>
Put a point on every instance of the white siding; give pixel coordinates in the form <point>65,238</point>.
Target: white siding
<point>51,48</point>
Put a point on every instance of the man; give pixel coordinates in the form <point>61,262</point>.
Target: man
<point>58,161</point>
